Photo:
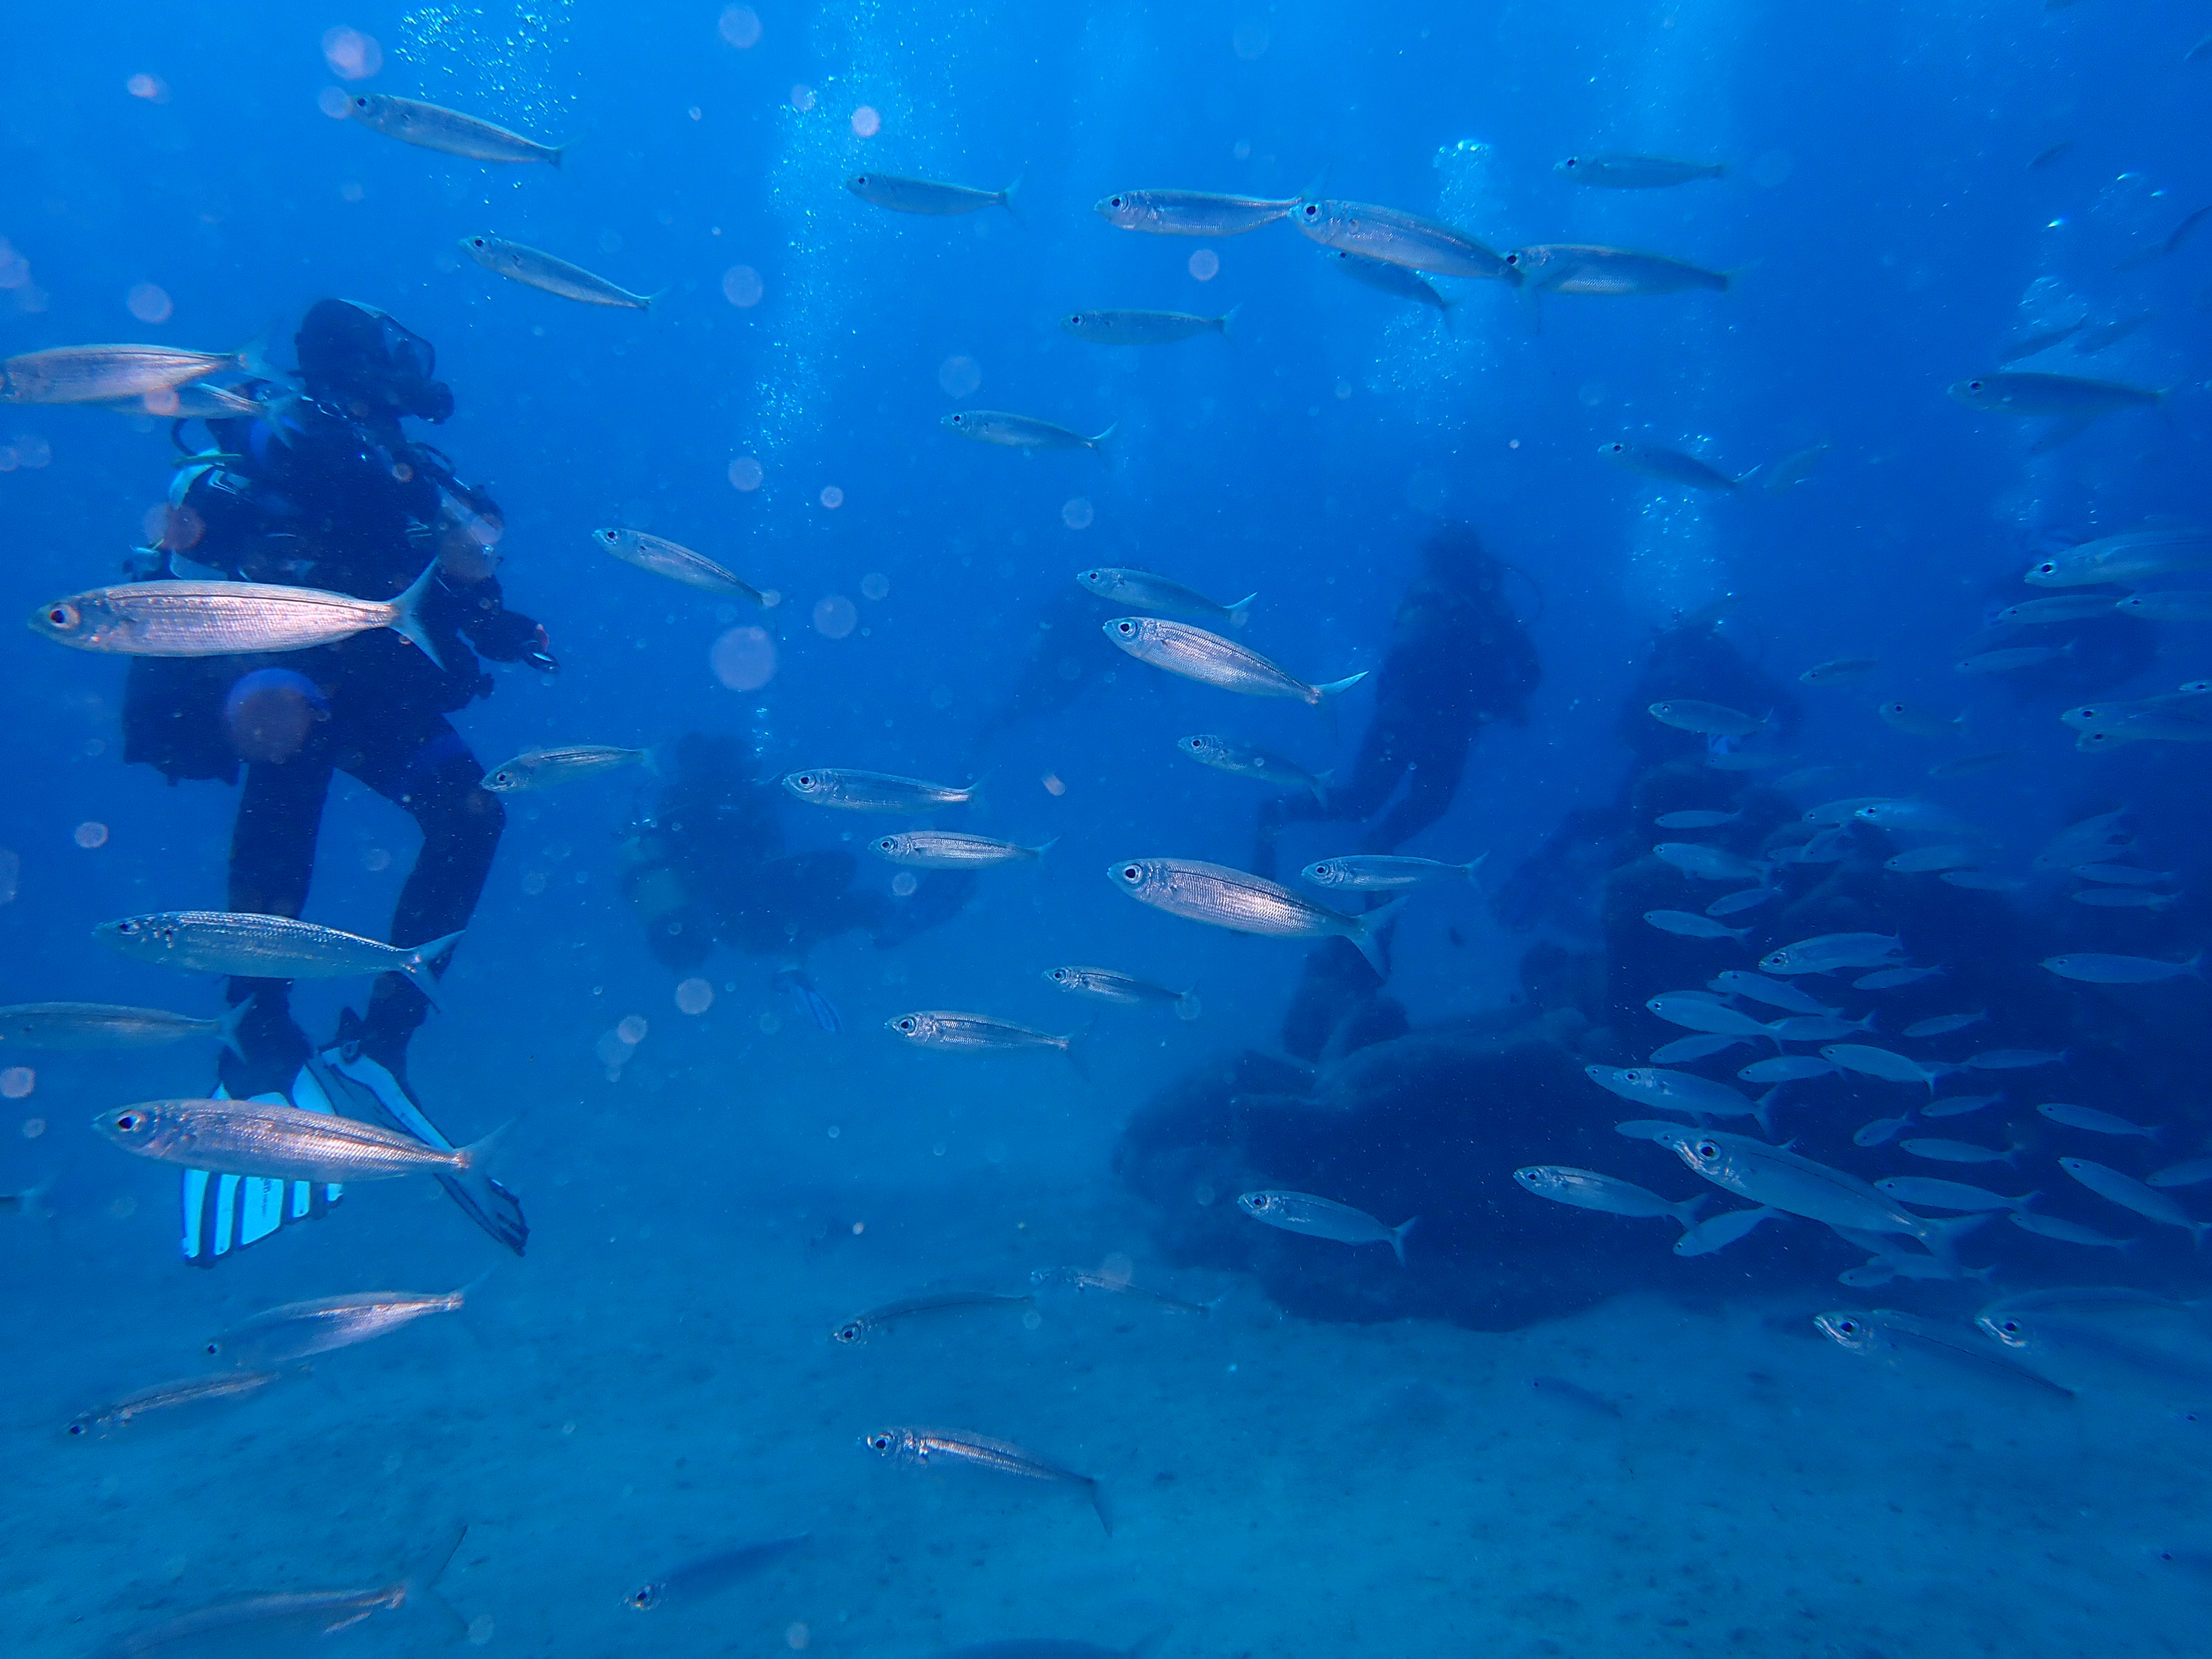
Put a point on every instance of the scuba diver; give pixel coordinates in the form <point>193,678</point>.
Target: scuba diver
<point>709,866</point>
<point>1459,659</point>
<point>321,488</point>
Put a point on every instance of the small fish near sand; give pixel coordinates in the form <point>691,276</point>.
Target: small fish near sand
<point>929,197</point>
<point>921,1449</point>
<point>709,1575</point>
<point>861,1326</point>
<point>298,1330</point>
<point>1150,593</point>
<point>851,791</point>
<point>549,768</point>
<point>166,1397</point>
<point>1123,990</point>
<point>96,1027</point>
<point>1144,327</point>
<point>280,1143</point>
<point>1210,659</point>
<point>679,563</point>
<point>550,274</point>
<point>430,126</point>
<point>1246,904</point>
<point>950,1031</point>
<point>265,947</point>
<point>951,850</point>
<point>1192,212</point>
<point>1003,430</point>
<point>1324,1217</point>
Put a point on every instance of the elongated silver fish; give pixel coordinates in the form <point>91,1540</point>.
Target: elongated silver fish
<point>2058,607</point>
<point>861,1325</point>
<point>1717,1232</point>
<point>2189,604</point>
<point>1614,170</point>
<point>996,425</point>
<point>1579,267</point>
<point>1932,1194</point>
<point>1687,924</point>
<point>169,1397</point>
<point>1840,671</point>
<point>2067,397</point>
<point>280,1143</point>
<point>1676,1091</point>
<point>1212,660</point>
<point>2031,345</point>
<point>2130,559</point>
<point>1245,760</point>
<point>854,791</point>
<point>1792,470</point>
<point>107,374</point>
<point>2130,1194</point>
<point>1705,863</point>
<point>299,1329</point>
<point>1403,239</point>
<point>920,1448</point>
<point>2096,1122</point>
<point>223,619</point>
<point>1886,1334</point>
<point>1396,280</point>
<point>196,399</point>
<point>1775,992</point>
<point>550,274</point>
<point>549,768</point>
<point>679,563</point>
<point>2096,968</point>
<point>264,947</point>
<point>1149,592</point>
<point>1144,327</point>
<point>1124,990</point>
<point>1246,904</point>
<point>928,197</point>
<point>2093,1344</point>
<point>447,130</point>
<point>2068,1232</point>
<point>1667,465</point>
<point>1783,1181</point>
<point>1191,212</point>
<point>1586,1190</point>
<point>1324,1217</point>
<point>953,1032</point>
<point>950,849</point>
<point>1826,952</point>
<point>1120,1283</point>
<point>716,1571</point>
<point>89,1027</point>
<point>1386,872</point>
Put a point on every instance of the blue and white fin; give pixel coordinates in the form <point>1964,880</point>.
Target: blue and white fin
<point>226,1212</point>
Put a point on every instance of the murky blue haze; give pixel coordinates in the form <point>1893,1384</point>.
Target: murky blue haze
<point>1545,1433</point>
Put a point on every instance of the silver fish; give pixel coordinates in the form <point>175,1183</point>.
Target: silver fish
<point>1386,872</point>
<point>1717,1232</point>
<point>1932,1194</point>
<point>299,1329</point>
<point>1931,861</point>
<point>1323,1218</point>
<point>1965,765</point>
<point>1883,1130</point>
<point>1958,1105</point>
<point>1870,1061</point>
<point>2058,608</point>
<point>2124,875</point>
<point>2096,1122</point>
<point>1676,1091</point>
<point>920,1448</point>
<point>195,400</point>
<point>1667,465</point>
<point>447,130</point>
<point>1149,592</point>
<point>2068,1232</point>
<point>1710,863</point>
<point>954,1032</point>
<point>169,1397</point>
<point>1840,671</point>
<point>89,1027</point>
<point>676,562</point>
<point>1223,897</point>
<point>1144,327</point>
<point>2190,605</point>
<point>1212,660</point>
<point>2013,1060</point>
<point>1586,1190</point>
<point>1888,979</point>
<point>2095,968</point>
<point>2091,1343</point>
<point>1687,924</point>
<point>714,1573</point>
<point>2128,559</point>
<point>1245,760</point>
<point>2131,1194</point>
<point>1916,721</point>
<point>876,791</point>
<point>547,769</point>
<point>1394,279</point>
<point>995,425</point>
<point>1787,1068</point>
<point>2030,345</point>
<point>1943,1025</point>
<point>861,1325</point>
<point>2010,660</point>
<point>1706,719</point>
<point>1120,1283</point>
<point>1783,1181</point>
<point>2067,397</point>
<point>1579,267</point>
<point>928,197</point>
<point>1818,1028</point>
<point>1958,1152</point>
<point>1403,239</point>
<point>108,373</point>
<point>1695,819</point>
<point>1698,1045</point>
<point>224,619</point>
<point>1826,952</point>
<point>1615,170</point>
<point>1124,990</point>
<point>950,849</point>
<point>1885,1334</point>
<point>280,1143</point>
<point>1191,212</point>
<point>1730,904</point>
<point>264,947</point>
<point>533,268</point>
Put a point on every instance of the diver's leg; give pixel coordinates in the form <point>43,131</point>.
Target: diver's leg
<point>430,774</point>
<point>272,859</point>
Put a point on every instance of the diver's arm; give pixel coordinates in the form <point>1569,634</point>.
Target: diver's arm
<point>502,634</point>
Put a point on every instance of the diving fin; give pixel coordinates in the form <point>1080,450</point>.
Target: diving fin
<point>226,1212</point>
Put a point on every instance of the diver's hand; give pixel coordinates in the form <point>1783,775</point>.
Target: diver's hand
<point>539,652</point>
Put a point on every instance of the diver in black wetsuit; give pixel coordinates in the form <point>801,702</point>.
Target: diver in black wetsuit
<point>322,488</point>
<point>1459,659</point>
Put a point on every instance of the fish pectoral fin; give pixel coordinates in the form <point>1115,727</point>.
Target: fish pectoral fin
<point>2062,431</point>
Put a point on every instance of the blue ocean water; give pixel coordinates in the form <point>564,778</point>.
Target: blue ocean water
<point>1546,1431</point>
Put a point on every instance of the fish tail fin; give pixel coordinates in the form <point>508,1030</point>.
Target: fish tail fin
<point>1228,316</point>
<point>1530,307</point>
<point>407,622</point>
<point>476,1156</point>
<point>1685,1212</point>
<point>1718,170</point>
<point>1398,1237</point>
<point>420,959</point>
<point>1334,688</point>
<point>1038,851</point>
<point>421,1584</point>
<point>1241,612</point>
<point>1368,933</point>
<point>1006,200</point>
<point>1186,1005</point>
<point>977,801</point>
<point>1444,309</point>
<point>1079,1057</point>
<point>557,153</point>
<point>1314,186</point>
<point>648,300</point>
<point>1099,1505</point>
<point>1099,442</point>
<point>32,1200</point>
<point>1473,868</point>
<point>1765,1111</point>
<point>1320,787</point>
<point>252,358</point>
<point>226,1029</point>
<point>1943,1241</point>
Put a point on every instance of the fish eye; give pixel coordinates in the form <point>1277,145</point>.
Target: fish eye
<point>906,1025</point>
<point>1706,1149</point>
<point>361,103</point>
<point>127,1121</point>
<point>62,616</point>
<point>1976,386</point>
<point>1573,161</point>
<point>880,1442</point>
<point>956,419</point>
<point>2010,1328</point>
<point>476,241</point>
<point>860,178</point>
<point>1112,200</point>
<point>1513,258</point>
<point>77,1428</point>
<point>1130,873</point>
<point>1076,317</point>
<point>1124,629</point>
<point>215,1347</point>
<point>1847,1327</point>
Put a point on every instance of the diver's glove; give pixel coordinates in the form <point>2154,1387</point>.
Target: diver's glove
<point>510,637</point>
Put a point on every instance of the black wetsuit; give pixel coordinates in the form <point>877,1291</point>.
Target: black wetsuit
<point>311,494</point>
